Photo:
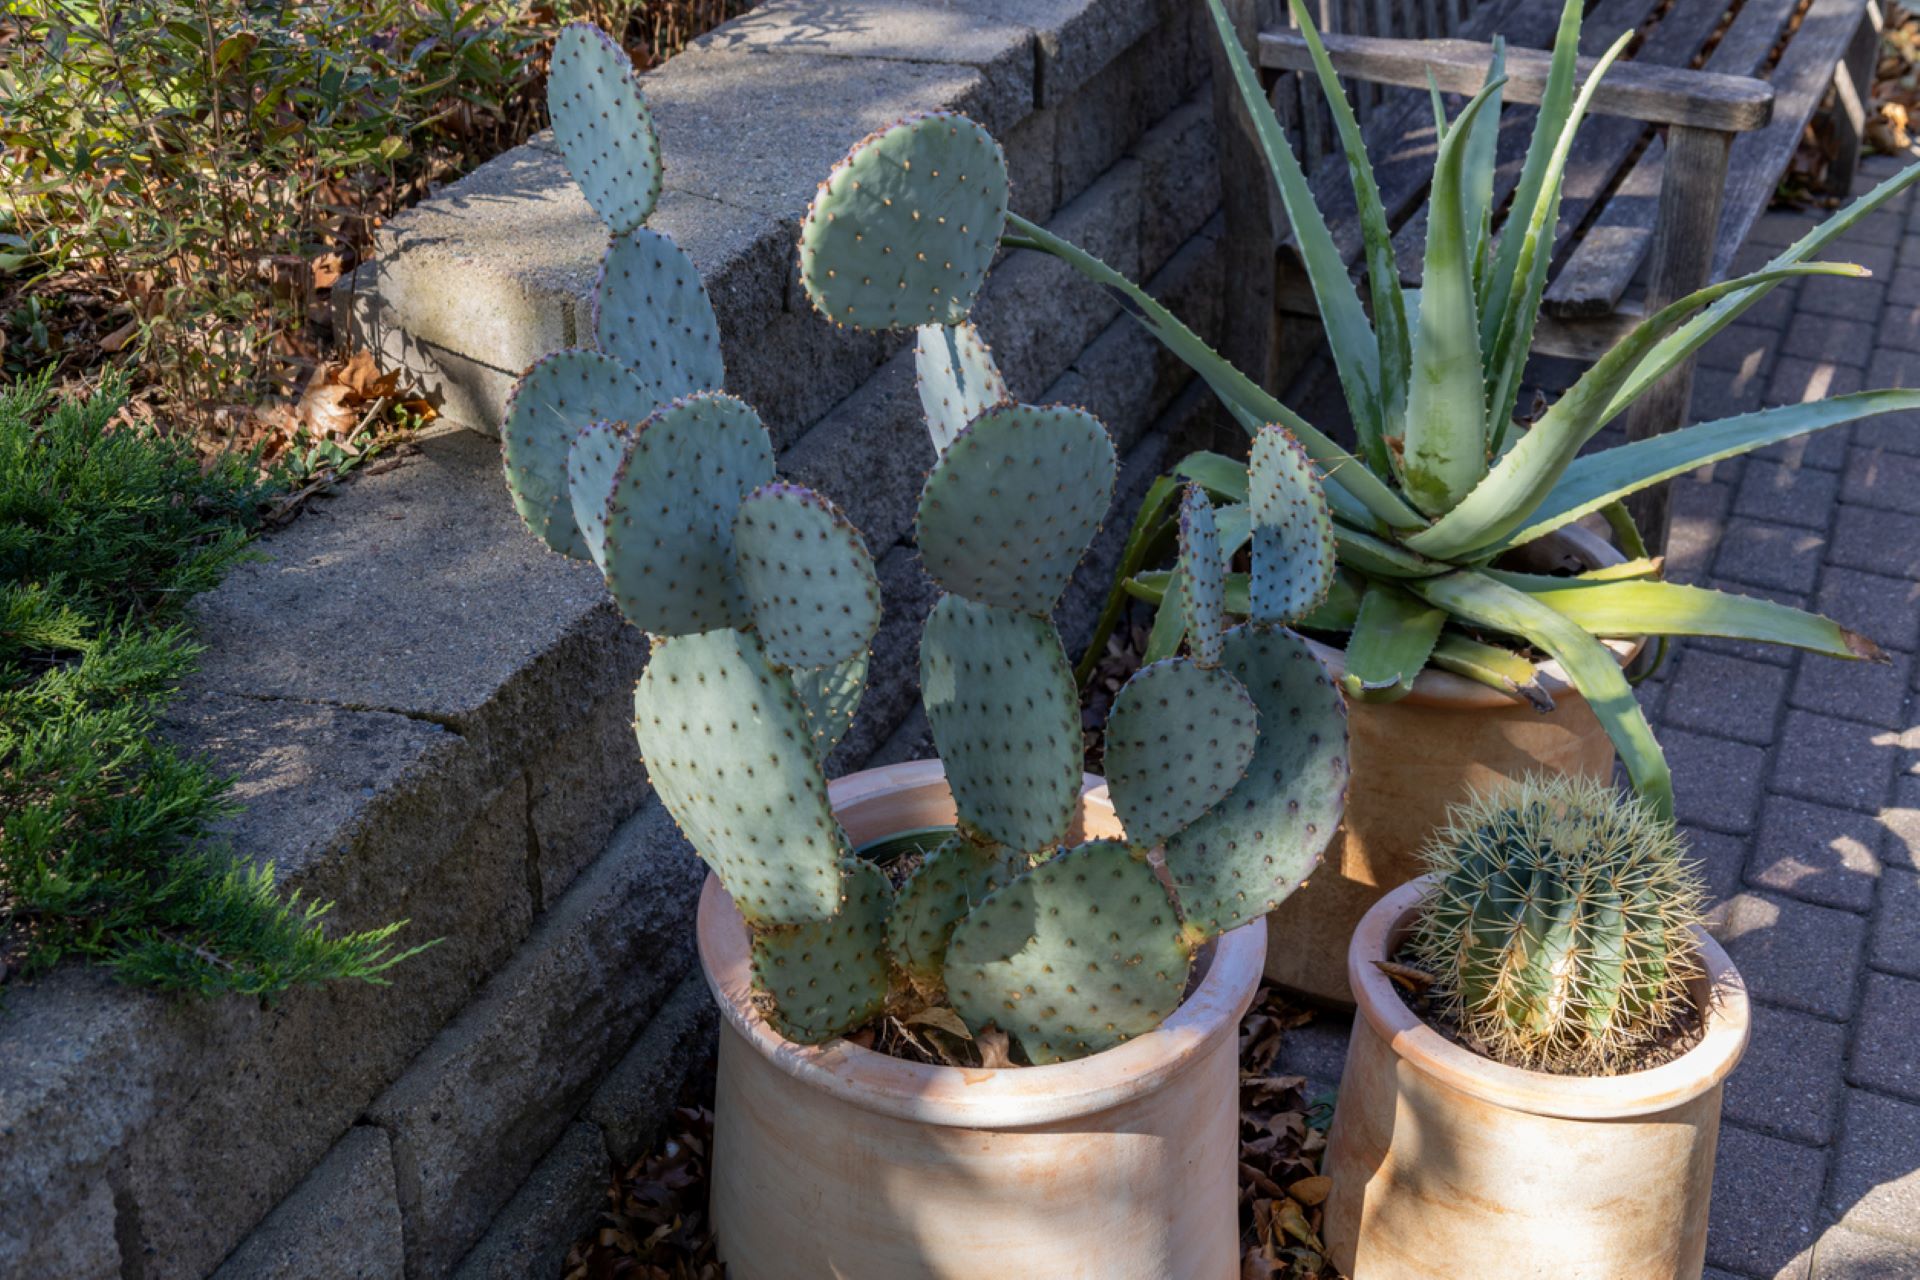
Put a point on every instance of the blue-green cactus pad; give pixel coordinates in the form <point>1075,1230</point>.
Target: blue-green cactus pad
<point>669,552</point>
<point>807,577</point>
<point>832,696</point>
<point>957,378</point>
<point>601,121</point>
<point>828,978</point>
<point>1078,955</point>
<point>554,400</point>
<point>593,461</point>
<point>1006,717</point>
<point>1241,858</point>
<point>936,897</point>
<point>726,743</point>
<point>1179,738</point>
<point>1009,508</point>
<point>903,230</point>
<point>1293,551</point>
<point>651,311</point>
<point>1203,577</point>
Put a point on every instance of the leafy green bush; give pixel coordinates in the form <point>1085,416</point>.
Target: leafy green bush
<point>105,535</point>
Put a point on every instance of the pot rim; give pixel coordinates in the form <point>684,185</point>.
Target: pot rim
<point>984,1098</point>
<point>1436,688</point>
<point>1638,1093</point>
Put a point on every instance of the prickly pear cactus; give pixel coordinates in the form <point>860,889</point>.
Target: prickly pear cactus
<point>1561,926</point>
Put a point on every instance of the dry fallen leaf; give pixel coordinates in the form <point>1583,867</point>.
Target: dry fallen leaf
<point>995,1049</point>
<point>1409,979</point>
<point>1311,1191</point>
<point>940,1018</point>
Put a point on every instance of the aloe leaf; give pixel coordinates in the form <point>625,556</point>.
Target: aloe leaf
<point>1593,481</point>
<point>1356,352</point>
<point>1696,333</point>
<point>1506,498</point>
<point>1148,523</point>
<point>1335,613</point>
<point>1626,570</point>
<point>1349,484</point>
<point>1392,638</point>
<point>1513,338</point>
<point>1383,270</point>
<point>1169,624</point>
<point>1626,533</point>
<point>1381,558</point>
<point>1482,153</point>
<point>1493,666</point>
<point>1218,474</point>
<point>1446,437</point>
<point>1588,663</point>
<point>1626,609</point>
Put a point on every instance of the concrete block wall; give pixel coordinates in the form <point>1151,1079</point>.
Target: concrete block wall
<point>427,713</point>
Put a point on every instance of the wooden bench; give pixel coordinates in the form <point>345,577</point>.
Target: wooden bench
<point>1685,144</point>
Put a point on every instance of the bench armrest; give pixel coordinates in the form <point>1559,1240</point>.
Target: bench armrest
<point>1657,95</point>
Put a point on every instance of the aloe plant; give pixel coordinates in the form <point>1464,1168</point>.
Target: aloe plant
<point>1443,482</point>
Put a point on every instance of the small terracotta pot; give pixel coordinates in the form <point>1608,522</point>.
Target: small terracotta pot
<point>1410,760</point>
<point>1447,1164</point>
<point>835,1161</point>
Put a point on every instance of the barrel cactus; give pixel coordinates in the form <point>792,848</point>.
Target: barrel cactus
<point>1561,924</point>
<point>760,600</point>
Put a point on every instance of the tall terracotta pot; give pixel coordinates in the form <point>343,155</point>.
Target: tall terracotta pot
<point>1447,1164</point>
<point>1410,760</point>
<point>835,1161</point>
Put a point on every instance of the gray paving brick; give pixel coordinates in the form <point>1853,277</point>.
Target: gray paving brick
<point>1788,1084</point>
<point>1881,259</point>
<point>1716,782</point>
<point>1788,495</point>
<point>1875,692</point>
<point>1752,650</point>
<point>1882,478</point>
<point>1885,610</point>
<point>1694,528</point>
<point>1894,432</point>
<point>1880,541</point>
<point>1876,1168</point>
<point>1901,818</point>
<point>1892,367</point>
<point>1896,924</point>
<point>1794,953</point>
<point>1800,381</point>
<point>1883,226</point>
<point>1884,1035</point>
<point>1899,327</point>
<point>1814,851</point>
<point>1843,298</point>
<point>1317,1050</point>
<point>1764,554</point>
<point>1833,761</point>
<point>1722,860</point>
<point>1742,348</point>
<point>1732,697</point>
<point>1766,1201</point>
<point>1827,338</point>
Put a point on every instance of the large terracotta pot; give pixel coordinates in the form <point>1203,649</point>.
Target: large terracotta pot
<point>1410,760</point>
<point>835,1161</point>
<point>1447,1164</point>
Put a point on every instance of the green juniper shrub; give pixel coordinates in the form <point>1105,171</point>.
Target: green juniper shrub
<point>105,534</point>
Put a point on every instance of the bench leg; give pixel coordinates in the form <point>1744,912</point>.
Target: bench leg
<point>1853,91</point>
<point>1249,330</point>
<point>1686,228</point>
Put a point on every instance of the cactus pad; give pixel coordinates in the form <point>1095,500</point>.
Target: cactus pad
<point>651,311</point>
<point>936,897</point>
<point>601,121</point>
<point>902,231</point>
<point>957,378</point>
<point>669,552</point>
<point>807,577</point>
<point>1078,955</point>
<point>831,696</point>
<point>1012,504</point>
<point>1203,577</point>
<point>1006,716</point>
<point>829,977</point>
<point>593,461</point>
<point>554,400</point>
<point>1293,551</point>
<point>1179,738</point>
<point>725,741</point>
<point>1239,860</point>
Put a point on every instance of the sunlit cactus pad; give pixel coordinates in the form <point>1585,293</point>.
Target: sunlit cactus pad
<point>1293,547</point>
<point>1179,737</point>
<point>554,400</point>
<point>1012,504</point>
<point>1237,862</point>
<point>592,463</point>
<point>807,577</point>
<point>726,745</point>
<point>902,231</point>
<point>936,897</point>
<point>957,379</point>
<point>651,310</point>
<point>1006,717</point>
<point>669,552</point>
<point>1083,952</point>
<point>829,977</point>
<point>601,121</point>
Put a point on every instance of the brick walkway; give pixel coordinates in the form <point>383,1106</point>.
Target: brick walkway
<point>1798,777</point>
